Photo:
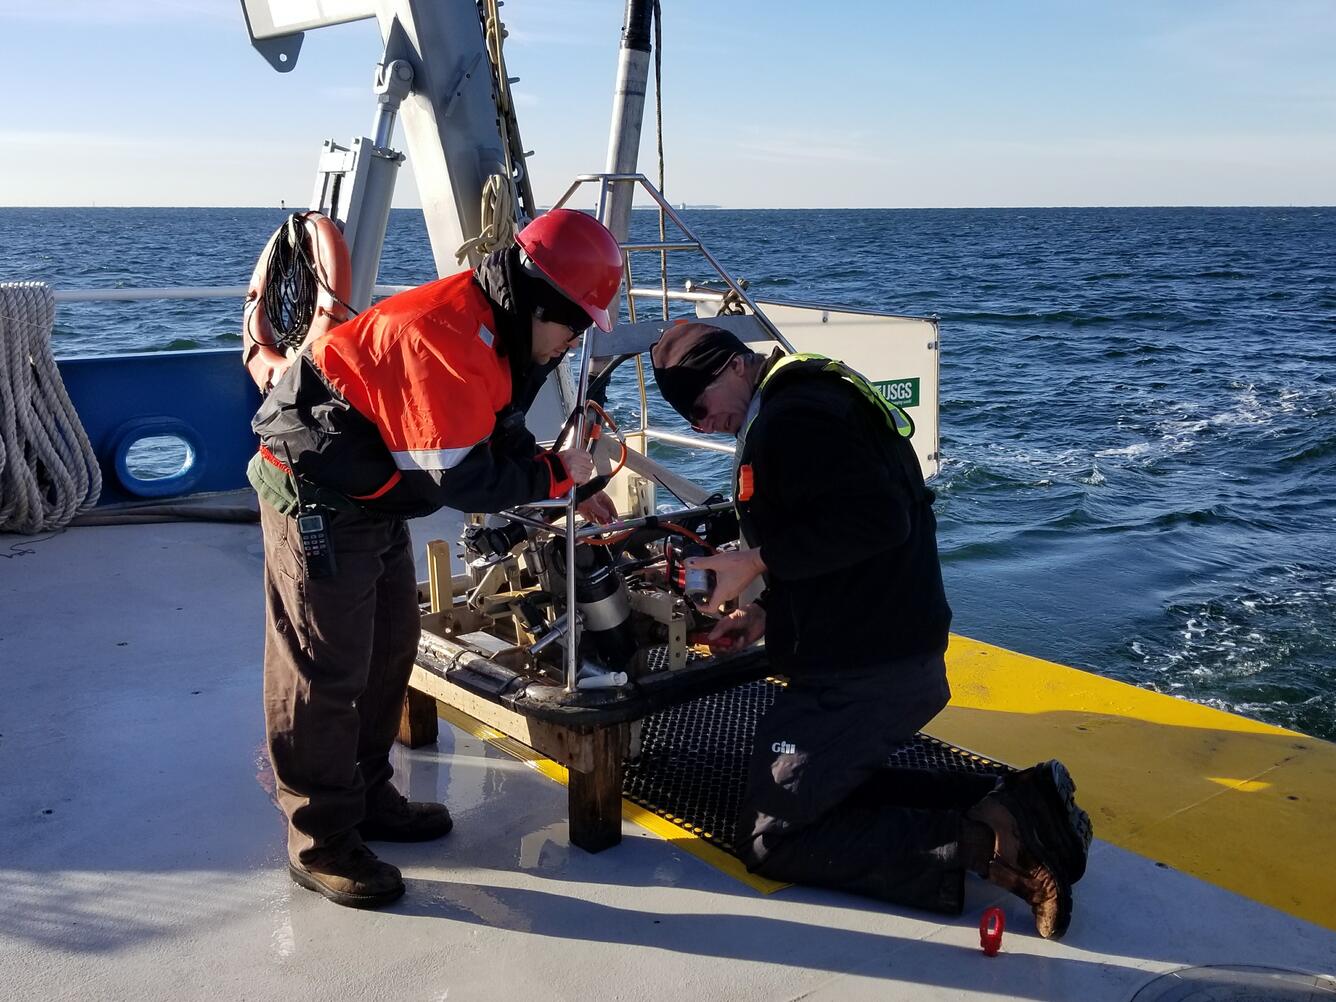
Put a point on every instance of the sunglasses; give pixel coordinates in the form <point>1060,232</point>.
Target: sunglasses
<point>577,327</point>
<point>698,413</point>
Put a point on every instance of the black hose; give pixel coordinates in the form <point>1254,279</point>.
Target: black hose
<point>290,289</point>
<point>292,285</point>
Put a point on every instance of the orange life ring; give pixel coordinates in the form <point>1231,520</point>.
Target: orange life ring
<point>265,359</point>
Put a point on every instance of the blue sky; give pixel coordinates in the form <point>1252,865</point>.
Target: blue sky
<point>785,104</point>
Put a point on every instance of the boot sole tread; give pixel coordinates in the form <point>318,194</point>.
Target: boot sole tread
<point>1070,842</point>
<point>1064,787</point>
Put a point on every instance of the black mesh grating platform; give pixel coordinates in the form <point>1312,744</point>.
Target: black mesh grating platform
<point>657,657</point>
<point>693,760</point>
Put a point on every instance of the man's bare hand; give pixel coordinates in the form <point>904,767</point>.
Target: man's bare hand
<point>598,508</point>
<point>740,628</point>
<point>579,464</point>
<point>733,572</point>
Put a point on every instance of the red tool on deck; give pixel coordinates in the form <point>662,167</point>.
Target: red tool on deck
<point>990,931</point>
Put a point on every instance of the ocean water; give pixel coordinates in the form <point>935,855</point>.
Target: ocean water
<point>1138,406</point>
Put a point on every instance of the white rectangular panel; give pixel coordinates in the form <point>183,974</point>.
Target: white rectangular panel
<point>275,18</point>
<point>897,354</point>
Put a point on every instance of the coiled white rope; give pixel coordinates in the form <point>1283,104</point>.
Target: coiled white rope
<point>498,219</point>
<point>499,197</point>
<point>48,470</point>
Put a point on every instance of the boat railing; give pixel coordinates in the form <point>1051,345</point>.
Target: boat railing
<point>166,424</point>
<point>759,327</point>
<point>632,337</point>
<point>178,292</point>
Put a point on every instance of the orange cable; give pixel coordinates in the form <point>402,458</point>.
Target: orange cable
<point>681,531</point>
<point>612,425</point>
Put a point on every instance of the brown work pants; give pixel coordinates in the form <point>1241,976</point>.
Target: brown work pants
<point>337,655</point>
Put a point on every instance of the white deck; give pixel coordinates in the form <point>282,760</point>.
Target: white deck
<point>141,854</point>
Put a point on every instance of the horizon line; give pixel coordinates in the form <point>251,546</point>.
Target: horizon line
<point>706,207</point>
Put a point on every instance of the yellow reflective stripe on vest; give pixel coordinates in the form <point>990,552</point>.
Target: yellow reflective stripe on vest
<point>896,417</point>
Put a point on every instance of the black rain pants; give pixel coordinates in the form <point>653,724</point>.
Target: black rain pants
<point>822,806</point>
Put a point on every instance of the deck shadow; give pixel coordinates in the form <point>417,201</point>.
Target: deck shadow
<point>749,938</point>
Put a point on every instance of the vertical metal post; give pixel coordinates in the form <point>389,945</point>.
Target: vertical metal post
<point>355,187</point>
<point>573,635</point>
<point>640,361</point>
<point>369,217</point>
<point>628,110</point>
<point>581,393</point>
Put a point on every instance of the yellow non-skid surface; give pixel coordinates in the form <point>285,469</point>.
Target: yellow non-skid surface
<point>1240,804</point>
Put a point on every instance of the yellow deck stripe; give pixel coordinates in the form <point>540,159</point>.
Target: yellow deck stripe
<point>680,836</point>
<point>1240,804</point>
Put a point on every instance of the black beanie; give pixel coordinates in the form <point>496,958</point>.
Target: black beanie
<point>688,357</point>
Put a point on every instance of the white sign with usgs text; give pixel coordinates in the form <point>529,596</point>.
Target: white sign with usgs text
<point>898,355</point>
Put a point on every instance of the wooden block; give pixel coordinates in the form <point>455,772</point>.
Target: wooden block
<point>558,743</point>
<point>594,759</point>
<point>438,570</point>
<point>594,797</point>
<point>418,725</point>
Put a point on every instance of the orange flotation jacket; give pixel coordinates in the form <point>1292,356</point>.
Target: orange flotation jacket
<point>398,408</point>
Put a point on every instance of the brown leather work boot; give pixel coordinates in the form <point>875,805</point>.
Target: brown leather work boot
<point>354,878</point>
<point>1046,794</point>
<point>1049,897</point>
<point>396,819</point>
<point>1022,865</point>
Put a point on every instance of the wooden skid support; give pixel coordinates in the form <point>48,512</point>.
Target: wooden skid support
<point>439,581</point>
<point>594,758</point>
<point>560,744</point>
<point>419,724</point>
<point>594,798</point>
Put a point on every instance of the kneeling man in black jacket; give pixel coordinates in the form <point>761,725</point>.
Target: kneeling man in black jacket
<point>835,515</point>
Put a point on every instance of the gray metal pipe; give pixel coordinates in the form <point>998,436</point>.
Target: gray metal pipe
<point>628,113</point>
<point>555,632</point>
<point>393,83</point>
<point>632,523</point>
<point>582,391</point>
<point>689,441</point>
<point>628,109</point>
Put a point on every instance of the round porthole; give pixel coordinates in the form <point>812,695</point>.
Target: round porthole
<point>155,457</point>
<point>159,457</point>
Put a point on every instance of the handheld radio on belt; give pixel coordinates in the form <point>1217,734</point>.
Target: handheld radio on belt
<point>316,545</point>
<point>313,527</point>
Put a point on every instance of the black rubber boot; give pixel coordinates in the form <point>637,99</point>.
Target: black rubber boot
<point>354,878</point>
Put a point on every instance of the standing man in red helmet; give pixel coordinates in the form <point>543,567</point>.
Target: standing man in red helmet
<point>416,404</point>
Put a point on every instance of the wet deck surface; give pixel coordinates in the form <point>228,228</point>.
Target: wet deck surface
<point>142,856</point>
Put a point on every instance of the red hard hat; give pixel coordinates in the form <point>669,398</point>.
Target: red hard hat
<point>579,257</point>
